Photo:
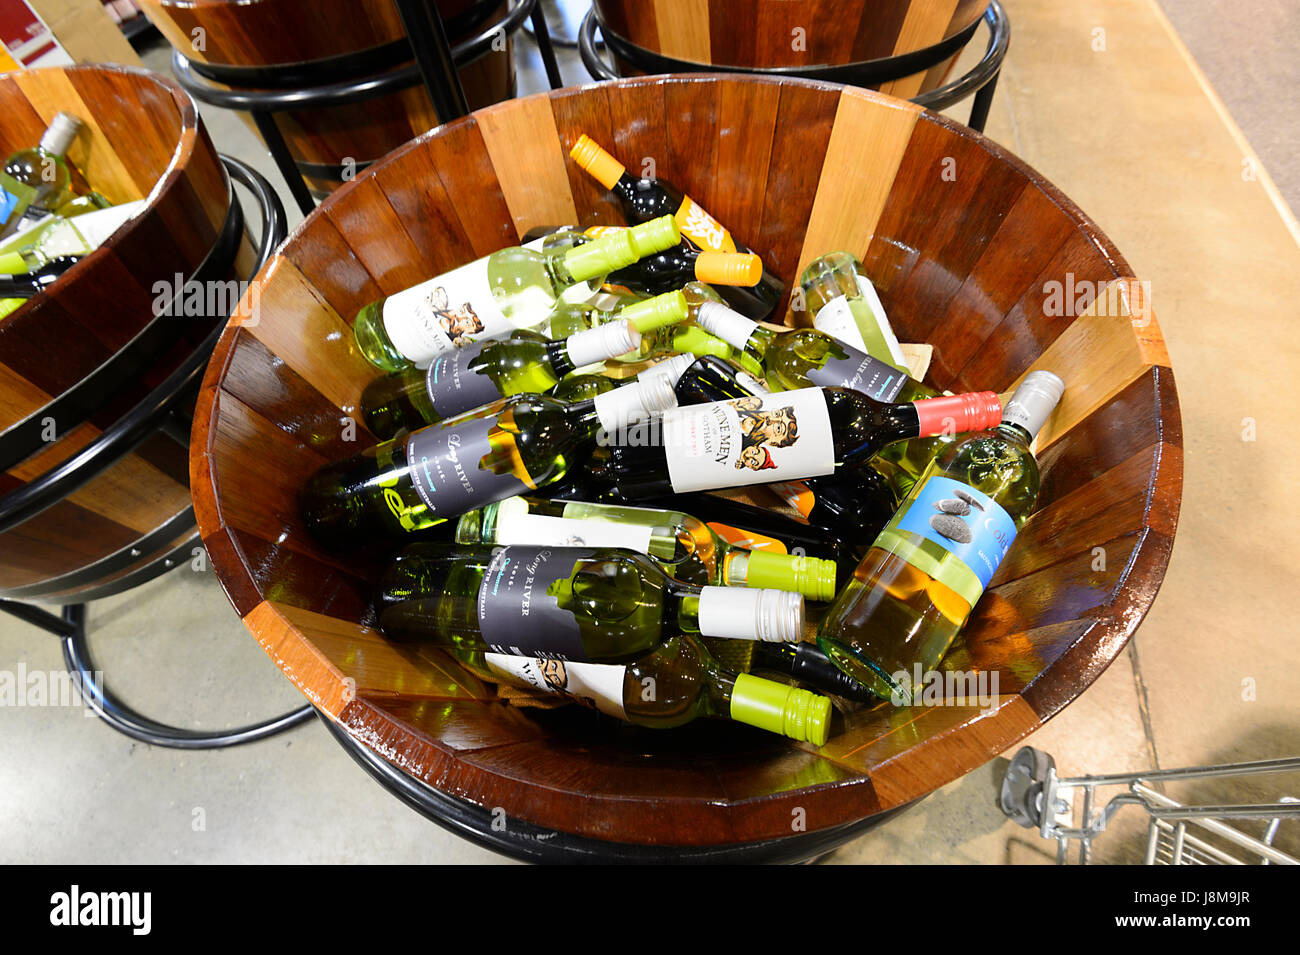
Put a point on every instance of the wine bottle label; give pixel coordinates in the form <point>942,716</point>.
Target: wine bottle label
<point>751,384</point>
<point>546,530</point>
<point>519,608</point>
<point>965,522</point>
<point>446,312</point>
<point>866,328</point>
<point>445,463</point>
<point>861,372</point>
<point>600,684</point>
<point>755,440</point>
<point>14,197</point>
<point>702,229</point>
<point>453,387</point>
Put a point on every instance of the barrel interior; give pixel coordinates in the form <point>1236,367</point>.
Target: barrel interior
<point>142,141</point>
<point>795,169</point>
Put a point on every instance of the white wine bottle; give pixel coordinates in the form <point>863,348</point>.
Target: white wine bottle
<point>493,296</point>
<point>415,482</point>
<point>483,372</point>
<point>684,546</point>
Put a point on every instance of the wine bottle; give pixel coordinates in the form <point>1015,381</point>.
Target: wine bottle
<point>492,296</point>
<point>36,179</point>
<point>684,546</point>
<point>675,683</point>
<point>804,662</point>
<point>915,589</point>
<point>580,387</point>
<point>806,356</point>
<point>786,436</point>
<point>653,318</point>
<point>586,604</point>
<point>643,199</point>
<point>853,502</point>
<point>480,373</point>
<point>844,305</point>
<point>414,482</point>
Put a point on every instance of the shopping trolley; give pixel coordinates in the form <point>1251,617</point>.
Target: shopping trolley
<point>1033,796</point>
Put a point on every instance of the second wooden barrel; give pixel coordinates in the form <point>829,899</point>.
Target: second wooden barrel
<point>794,34</point>
<point>279,43</point>
<point>101,323</point>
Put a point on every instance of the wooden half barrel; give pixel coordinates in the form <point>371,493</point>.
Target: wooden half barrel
<point>278,43</point>
<point>798,34</point>
<point>74,359</point>
<point>795,169</point>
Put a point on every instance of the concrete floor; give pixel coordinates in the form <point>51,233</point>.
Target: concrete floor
<point>1134,133</point>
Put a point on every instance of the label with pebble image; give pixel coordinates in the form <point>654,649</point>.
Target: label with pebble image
<point>963,521</point>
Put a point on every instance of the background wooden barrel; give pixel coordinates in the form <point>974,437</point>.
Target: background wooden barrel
<point>965,264</point>
<point>773,34</point>
<point>330,40</point>
<point>143,139</point>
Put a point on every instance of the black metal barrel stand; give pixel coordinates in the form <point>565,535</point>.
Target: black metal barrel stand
<point>164,410</point>
<point>266,92</point>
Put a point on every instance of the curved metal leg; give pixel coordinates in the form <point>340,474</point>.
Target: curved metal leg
<point>76,655</point>
<point>270,130</point>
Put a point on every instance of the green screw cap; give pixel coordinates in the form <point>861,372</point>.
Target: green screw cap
<point>697,341</point>
<point>601,256</point>
<point>782,709</point>
<point>810,576</point>
<point>657,235</point>
<point>667,309</point>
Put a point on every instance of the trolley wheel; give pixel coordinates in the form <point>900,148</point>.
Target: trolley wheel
<point>1022,786</point>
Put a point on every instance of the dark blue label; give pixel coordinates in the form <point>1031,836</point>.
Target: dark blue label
<point>966,522</point>
<point>861,372</point>
<point>446,468</point>
<point>453,387</point>
<point>517,612</point>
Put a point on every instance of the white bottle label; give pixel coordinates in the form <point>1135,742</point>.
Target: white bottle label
<point>836,320</point>
<point>600,684</point>
<point>446,312</point>
<point>776,437</point>
<point>545,530</point>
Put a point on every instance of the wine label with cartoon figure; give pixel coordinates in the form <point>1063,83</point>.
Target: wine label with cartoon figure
<point>757,440</point>
<point>600,684</point>
<point>446,312</point>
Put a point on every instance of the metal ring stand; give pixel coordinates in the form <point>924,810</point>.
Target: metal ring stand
<point>530,843</point>
<point>162,411</point>
<point>435,64</point>
<point>981,80</point>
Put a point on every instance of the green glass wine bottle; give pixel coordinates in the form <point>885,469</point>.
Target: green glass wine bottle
<point>412,483</point>
<point>684,546</point>
<point>478,374</point>
<point>806,356</point>
<point>492,296</point>
<point>585,604</point>
<point>653,319</point>
<point>677,682</point>
<point>917,585</point>
<point>804,662</point>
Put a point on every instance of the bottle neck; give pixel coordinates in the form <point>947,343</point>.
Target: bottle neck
<point>557,357</point>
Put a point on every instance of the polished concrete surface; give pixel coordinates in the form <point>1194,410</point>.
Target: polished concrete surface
<point>1103,98</point>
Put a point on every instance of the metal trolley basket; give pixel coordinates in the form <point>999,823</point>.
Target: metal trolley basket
<point>1036,798</point>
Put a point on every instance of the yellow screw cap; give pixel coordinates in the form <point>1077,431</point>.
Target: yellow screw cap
<point>603,167</point>
<point>729,268</point>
